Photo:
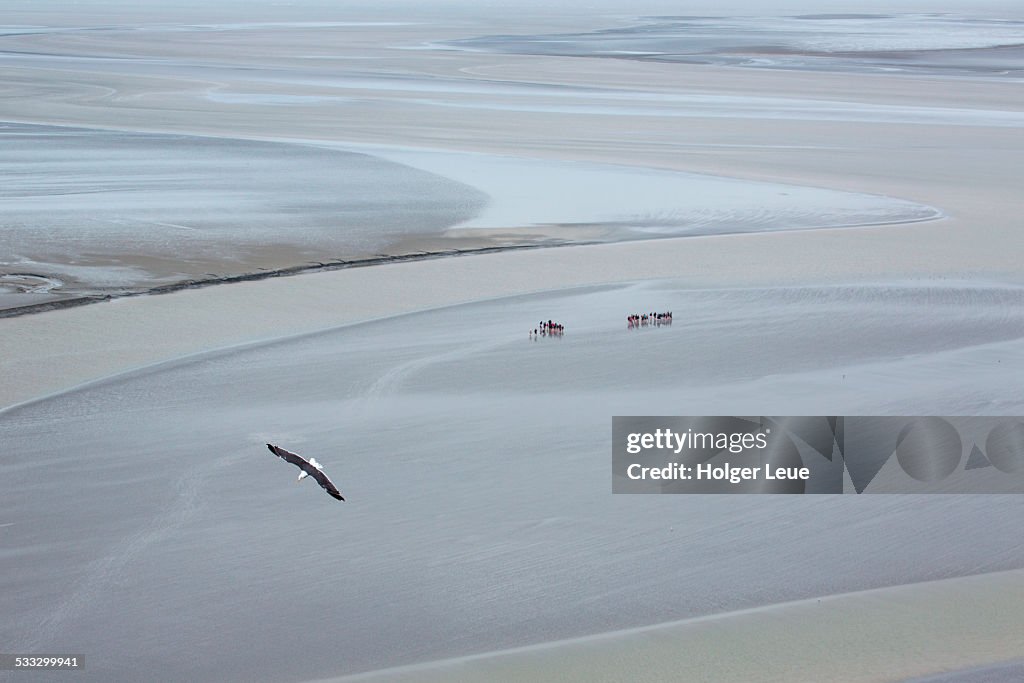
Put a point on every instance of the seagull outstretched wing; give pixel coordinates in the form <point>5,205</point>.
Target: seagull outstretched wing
<point>308,468</point>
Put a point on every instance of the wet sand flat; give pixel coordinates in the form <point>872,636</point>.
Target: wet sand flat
<point>852,637</point>
<point>914,139</point>
<point>385,85</point>
<point>479,513</point>
<point>480,531</point>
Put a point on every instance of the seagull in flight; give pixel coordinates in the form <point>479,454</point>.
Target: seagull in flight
<point>310,468</point>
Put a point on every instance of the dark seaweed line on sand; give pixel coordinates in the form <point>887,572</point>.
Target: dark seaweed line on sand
<point>316,267</point>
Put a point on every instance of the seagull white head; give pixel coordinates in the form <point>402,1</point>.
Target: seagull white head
<point>303,474</point>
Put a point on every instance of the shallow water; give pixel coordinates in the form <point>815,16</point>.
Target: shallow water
<point>641,203</point>
<point>374,116</point>
<point>114,209</point>
<point>476,464</point>
<point>111,212</point>
<point>979,42</point>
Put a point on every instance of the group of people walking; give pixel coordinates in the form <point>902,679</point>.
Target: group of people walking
<point>547,329</point>
<point>550,328</point>
<point>645,319</point>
